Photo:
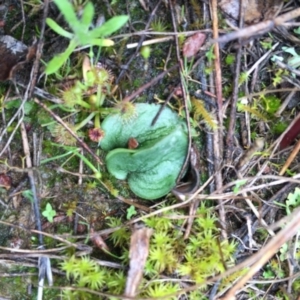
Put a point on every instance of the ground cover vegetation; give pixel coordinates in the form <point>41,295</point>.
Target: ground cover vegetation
<point>149,150</point>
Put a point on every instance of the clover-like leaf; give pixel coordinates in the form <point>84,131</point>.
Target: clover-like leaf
<point>49,213</point>
<point>153,167</point>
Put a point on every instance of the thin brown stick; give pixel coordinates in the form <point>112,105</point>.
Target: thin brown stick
<point>149,84</point>
<point>290,158</point>
<point>218,136</point>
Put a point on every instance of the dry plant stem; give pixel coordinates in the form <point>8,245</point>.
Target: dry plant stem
<point>42,94</point>
<point>152,15</point>
<point>218,136</point>
<point>4,132</point>
<point>209,146</point>
<point>259,28</point>
<point>32,181</point>
<point>61,122</point>
<point>183,88</point>
<point>174,206</point>
<point>209,135</point>
<point>135,204</point>
<point>161,33</point>
<point>290,158</point>
<point>259,61</point>
<point>232,119</point>
<point>150,42</point>
<point>44,261</point>
<point>254,209</point>
<point>149,84</point>
<point>23,19</point>
<point>20,113</point>
<point>55,237</point>
<point>287,67</point>
<point>262,256</point>
<point>285,103</point>
<point>39,51</point>
<point>218,74</point>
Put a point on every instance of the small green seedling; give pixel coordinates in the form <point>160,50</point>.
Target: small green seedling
<point>49,213</point>
<point>293,201</point>
<point>238,185</point>
<point>83,33</point>
<point>130,212</point>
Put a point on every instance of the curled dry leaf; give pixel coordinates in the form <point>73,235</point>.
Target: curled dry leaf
<point>139,250</point>
<point>192,44</point>
<point>5,181</point>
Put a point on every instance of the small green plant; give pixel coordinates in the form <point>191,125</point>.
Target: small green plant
<point>159,25</point>
<point>49,213</point>
<point>200,112</point>
<point>244,76</point>
<point>86,273</point>
<point>270,104</point>
<point>277,79</point>
<point>293,201</point>
<point>229,59</point>
<point>238,185</point>
<point>130,212</point>
<point>267,43</point>
<point>83,32</point>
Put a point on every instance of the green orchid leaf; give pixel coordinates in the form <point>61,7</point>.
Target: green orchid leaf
<point>87,14</point>
<point>153,167</point>
<point>58,29</point>
<point>67,9</point>
<point>109,27</point>
<point>57,61</point>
